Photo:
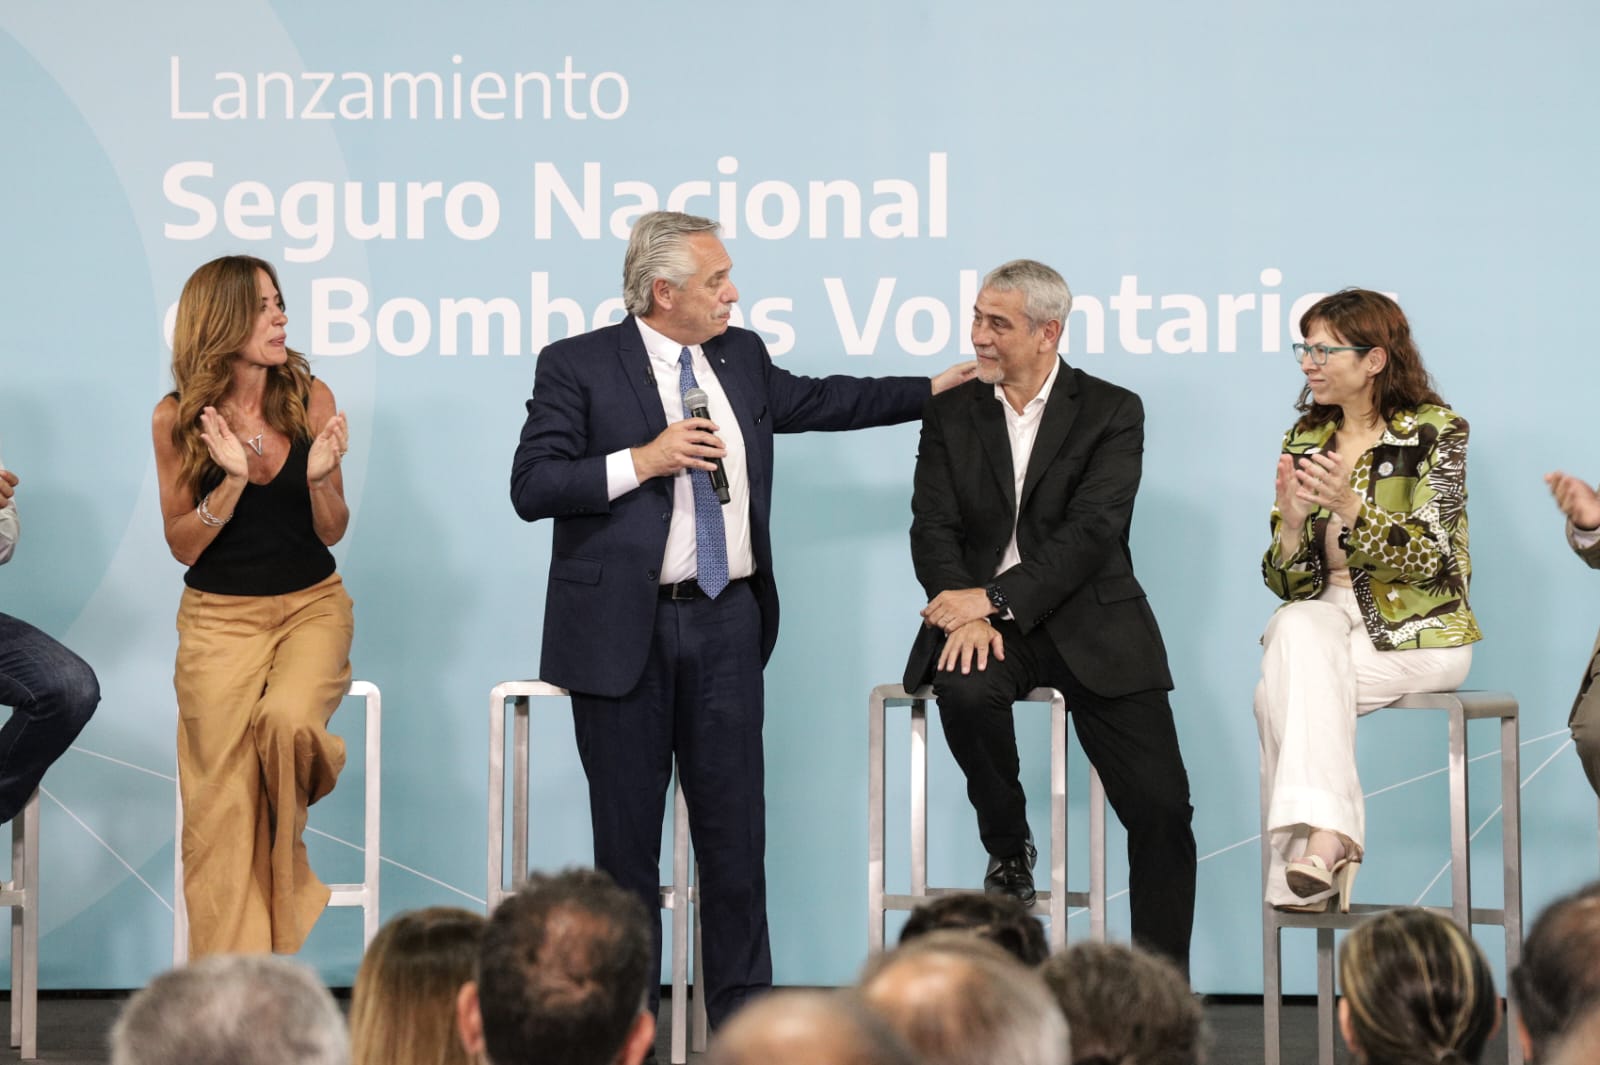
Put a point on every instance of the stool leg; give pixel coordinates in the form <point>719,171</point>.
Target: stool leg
<point>919,797</point>
<point>19,947</point>
<point>680,922</point>
<point>1325,1034</point>
<point>373,854</point>
<point>29,983</point>
<point>519,793</point>
<point>1058,822</point>
<point>1097,857</point>
<point>876,814</point>
<point>1460,858</point>
<point>1511,848</point>
<point>1271,952</point>
<point>1271,992</point>
<point>497,797</point>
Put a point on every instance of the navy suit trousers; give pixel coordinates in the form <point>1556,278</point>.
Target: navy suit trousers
<point>700,700</point>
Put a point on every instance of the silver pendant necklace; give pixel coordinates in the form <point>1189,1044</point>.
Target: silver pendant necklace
<point>255,442</point>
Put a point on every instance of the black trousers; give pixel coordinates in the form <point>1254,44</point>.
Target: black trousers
<point>1129,739</point>
<point>700,700</point>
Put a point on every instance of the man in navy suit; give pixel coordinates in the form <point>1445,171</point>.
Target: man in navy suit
<point>661,608</point>
<point>1024,495</point>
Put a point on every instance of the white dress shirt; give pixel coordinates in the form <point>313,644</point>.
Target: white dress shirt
<point>8,528</point>
<point>1023,429</point>
<point>679,563</point>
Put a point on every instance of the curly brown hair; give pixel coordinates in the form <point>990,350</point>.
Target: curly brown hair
<point>1364,318</point>
<point>216,314</point>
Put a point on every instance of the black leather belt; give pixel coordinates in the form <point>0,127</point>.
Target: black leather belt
<point>689,589</point>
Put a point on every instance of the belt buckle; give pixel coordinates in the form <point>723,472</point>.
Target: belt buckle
<point>682,591</point>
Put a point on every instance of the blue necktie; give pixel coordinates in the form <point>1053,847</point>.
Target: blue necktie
<point>710,541</point>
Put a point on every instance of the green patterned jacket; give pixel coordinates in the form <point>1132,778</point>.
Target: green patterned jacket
<point>1408,547</point>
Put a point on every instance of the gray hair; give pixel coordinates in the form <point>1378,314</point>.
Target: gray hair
<point>1045,295</point>
<point>658,248</point>
<point>960,1000</point>
<point>1125,1004</point>
<point>232,1009</point>
<point>807,1028</point>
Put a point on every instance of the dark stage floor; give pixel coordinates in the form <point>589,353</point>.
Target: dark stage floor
<point>73,1030</point>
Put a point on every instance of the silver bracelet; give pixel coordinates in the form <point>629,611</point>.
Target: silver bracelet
<point>208,518</point>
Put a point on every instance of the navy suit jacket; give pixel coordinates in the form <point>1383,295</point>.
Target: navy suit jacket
<point>1076,575</point>
<point>593,395</point>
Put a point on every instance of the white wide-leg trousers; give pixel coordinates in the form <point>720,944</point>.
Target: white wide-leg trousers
<point>1319,671</point>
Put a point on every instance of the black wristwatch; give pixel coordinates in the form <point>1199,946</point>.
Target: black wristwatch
<point>997,599</point>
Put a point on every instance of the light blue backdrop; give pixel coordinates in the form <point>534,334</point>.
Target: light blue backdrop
<point>1194,171</point>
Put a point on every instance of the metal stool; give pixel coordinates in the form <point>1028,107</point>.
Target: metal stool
<point>1462,706</point>
<point>364,894</point>
<point>21,893</point>
<point>1052,903</point>
<point>678,896</point>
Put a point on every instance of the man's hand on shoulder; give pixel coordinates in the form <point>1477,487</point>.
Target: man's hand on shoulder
<point>8,487</point>
<point>689,444</point>
<point>954,608</point>
<point>960,373</point>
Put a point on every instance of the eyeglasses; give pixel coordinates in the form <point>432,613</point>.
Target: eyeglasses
<point>1319,352</point>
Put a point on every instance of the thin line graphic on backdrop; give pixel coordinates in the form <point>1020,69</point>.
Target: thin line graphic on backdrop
<point>1392,787</point>
<point>171,779</point>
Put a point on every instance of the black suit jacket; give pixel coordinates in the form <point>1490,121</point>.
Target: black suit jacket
<point>1076,576</point>
<point>593,395</point>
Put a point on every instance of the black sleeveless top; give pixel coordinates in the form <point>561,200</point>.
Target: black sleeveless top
<point>269,546</point>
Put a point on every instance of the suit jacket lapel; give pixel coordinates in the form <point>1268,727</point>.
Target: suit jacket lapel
<point>1059,411</point>
<point>639,374</point>
<point>989,423</point>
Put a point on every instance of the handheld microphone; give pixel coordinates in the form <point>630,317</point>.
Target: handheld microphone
<point>698,404</point>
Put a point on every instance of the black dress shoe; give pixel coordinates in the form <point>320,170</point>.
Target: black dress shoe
<point>1013,875</point>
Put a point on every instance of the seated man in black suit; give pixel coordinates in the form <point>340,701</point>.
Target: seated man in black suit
<point>1581,505</point>
<point>1024,493</point>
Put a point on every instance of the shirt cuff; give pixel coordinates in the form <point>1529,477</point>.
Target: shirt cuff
<point>1582,539</point>
<point>620,478</point>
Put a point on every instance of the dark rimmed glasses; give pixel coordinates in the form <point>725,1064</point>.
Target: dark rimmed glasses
<point>1319,352</point>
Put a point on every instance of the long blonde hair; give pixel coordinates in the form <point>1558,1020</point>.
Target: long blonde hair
<point>216,316</point>
<point>402,1010</point>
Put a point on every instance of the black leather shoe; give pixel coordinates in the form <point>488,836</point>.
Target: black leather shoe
<point>1013,875</point>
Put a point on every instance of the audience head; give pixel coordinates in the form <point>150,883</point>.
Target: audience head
<point>562,976</point>
<point>232,1009</point>
<point>1579,1044</point>
<point>956,999</point>
<point>1416,990</point>
<point>1000,919</point>
<point>1126,1006</point>
<point>807,1028</point>
<point>1365,319</point>
<point>1559,977</point>
<point>402,1010</point>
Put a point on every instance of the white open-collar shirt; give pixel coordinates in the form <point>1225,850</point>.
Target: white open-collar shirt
<point>679,563</point>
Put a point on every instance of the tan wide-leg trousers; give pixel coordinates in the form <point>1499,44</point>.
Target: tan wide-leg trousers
<point>257,679</point>
<point>1319,670</point>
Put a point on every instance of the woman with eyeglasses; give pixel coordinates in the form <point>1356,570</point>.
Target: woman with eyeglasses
<point>1369,554</point>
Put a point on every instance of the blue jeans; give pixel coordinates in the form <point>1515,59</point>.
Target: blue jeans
<point>52,694</point>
